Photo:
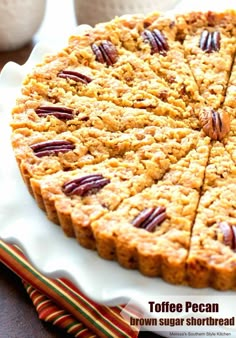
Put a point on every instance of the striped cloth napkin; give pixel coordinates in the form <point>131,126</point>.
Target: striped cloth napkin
<point>58,301</point>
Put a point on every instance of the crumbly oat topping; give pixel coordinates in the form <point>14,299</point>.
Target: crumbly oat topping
<point>127,139</point>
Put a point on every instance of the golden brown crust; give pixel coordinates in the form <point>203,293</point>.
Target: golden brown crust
<point>127,139</point>
<point>211,262</point>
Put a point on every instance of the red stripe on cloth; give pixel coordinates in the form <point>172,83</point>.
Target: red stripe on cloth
<point>97,310</point>
<point>99,319</point>
<point>49,312</point>
<point>46,308</point>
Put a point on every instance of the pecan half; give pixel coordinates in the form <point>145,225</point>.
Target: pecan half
<point>84,185</point>
<point>157,41</point>
<point>210,41</point>
<point>149,218</point>
<point>215,124</point>
<point>229,234</point>
<point>73,75</point>
<point>105,52</point>
<point>52,147</point>
<point>61,113</point>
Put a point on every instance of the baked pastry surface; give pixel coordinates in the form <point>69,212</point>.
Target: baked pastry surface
<point>127,139</point>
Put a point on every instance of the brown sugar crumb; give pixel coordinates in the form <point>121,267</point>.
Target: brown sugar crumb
<point>56,193</point>
<point>89,112</point>
<point>126,138</point>
<point>211,261</point>
<point>114,232</point>
<point>230,99</point>
<point>221,166</point>
<point>210,51</point>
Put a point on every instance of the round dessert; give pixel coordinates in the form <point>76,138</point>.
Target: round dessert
<point>127,139</point>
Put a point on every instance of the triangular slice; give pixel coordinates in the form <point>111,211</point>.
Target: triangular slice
<point>157,46</point>
<point>154,43</point>
<point>107,65</point>
<point>91,191</point>
<point>209,51</point>
<point>125,234</point>
<point>69,114</point>
<point>221,167</point>
<point>115,82</point>
<point>189,171</point>
<point>128,175</point>
<point>161,250</point>
<point>212,255</point>
<point>230,99</point>
<point>39,154</point>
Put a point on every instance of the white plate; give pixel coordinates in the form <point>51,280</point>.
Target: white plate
<point>53,254</point>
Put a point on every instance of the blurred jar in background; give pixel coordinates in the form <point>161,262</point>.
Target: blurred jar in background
<point>19,21</point>
<point>95,11</point>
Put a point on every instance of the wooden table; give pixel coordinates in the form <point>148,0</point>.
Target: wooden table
<point>18,317</point>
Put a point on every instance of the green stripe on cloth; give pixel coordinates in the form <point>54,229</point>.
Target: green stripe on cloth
<point>101,320</point>
<point>50,312</point>
<point>112,313</point>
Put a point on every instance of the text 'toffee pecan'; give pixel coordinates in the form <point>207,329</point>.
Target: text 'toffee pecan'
<point>62,113</point>
<point>105,52</point>
<point>73,75</point>
<point>229,234</point>
<point>215,124</point>
<point>210,41</point>
<point>85,185</point>
<point>149,218</point>
<point>52,147</point>
<point>157,41</point>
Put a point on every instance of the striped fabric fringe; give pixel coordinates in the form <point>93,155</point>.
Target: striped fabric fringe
<point>60,302</point>
<point>48,311</point>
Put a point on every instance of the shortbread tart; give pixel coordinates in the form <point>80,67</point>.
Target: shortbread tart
<point>126,138</point>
